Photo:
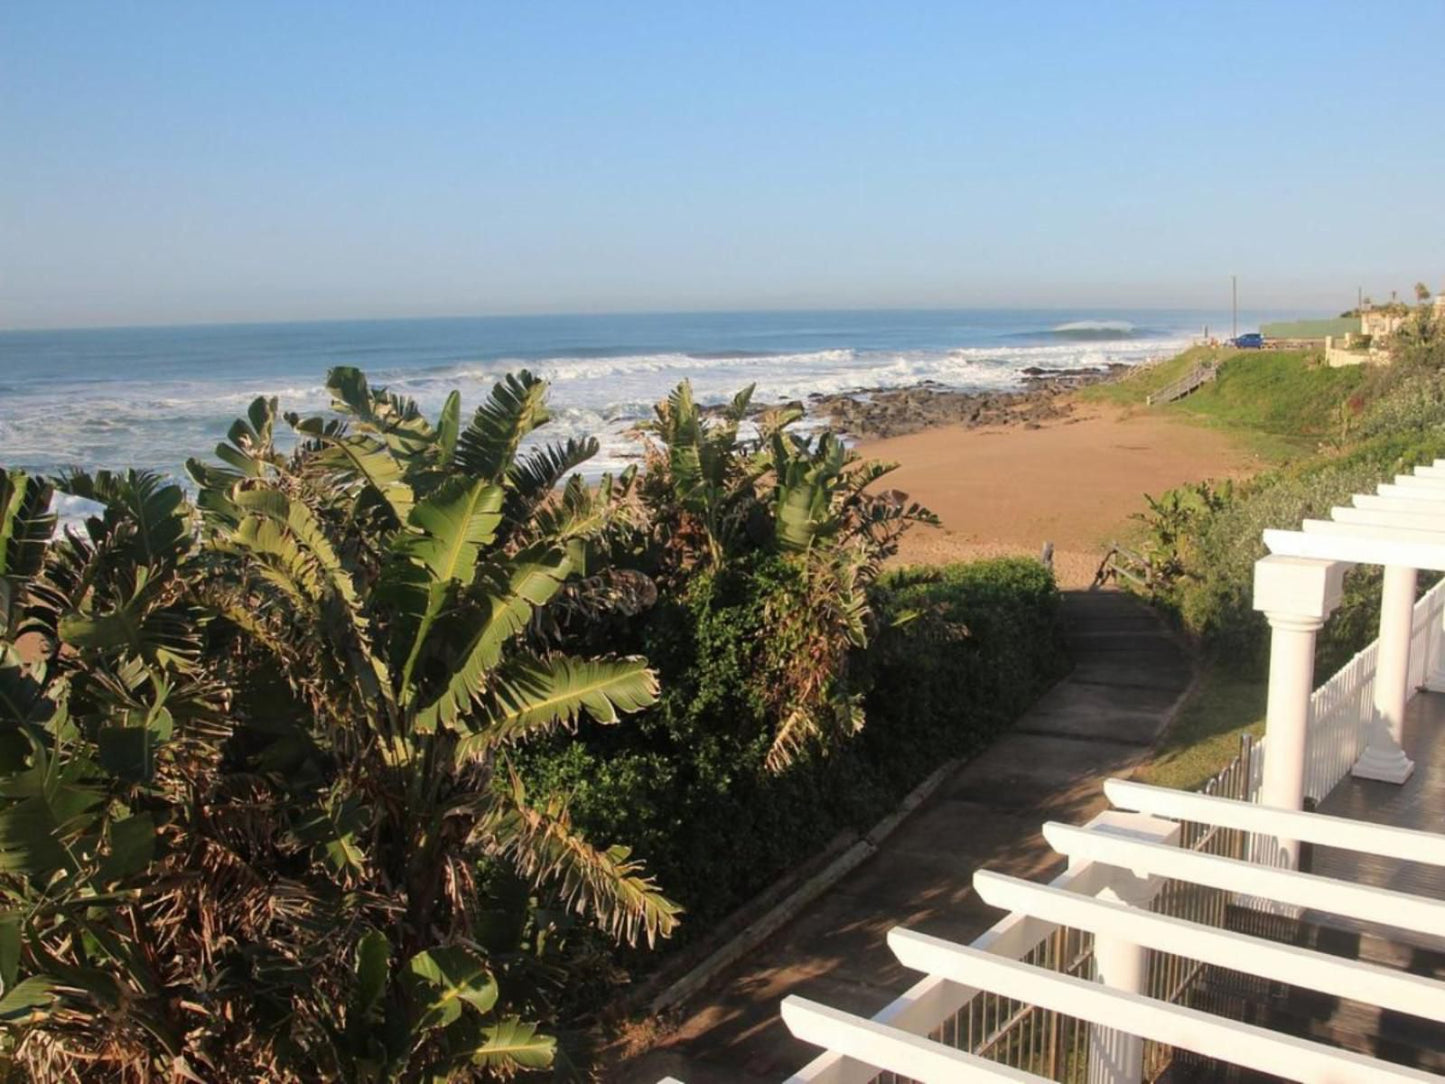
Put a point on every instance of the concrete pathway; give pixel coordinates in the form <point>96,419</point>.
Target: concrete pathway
<point>1129,673</point>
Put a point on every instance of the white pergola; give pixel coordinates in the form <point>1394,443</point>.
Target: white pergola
<point>1117,863</point>
<point>1400,527</point>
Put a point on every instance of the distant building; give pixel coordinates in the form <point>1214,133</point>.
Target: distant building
<point>1380,324</point>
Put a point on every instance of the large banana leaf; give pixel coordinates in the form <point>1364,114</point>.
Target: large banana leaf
<point>513,1045</point>
<point>608,884</point>
<point>488,446</point>
<point>146,513</point>
<point>531,694</point>
<point>438,555</point>
<point>528,581</point>
<point>396,418</point>
<point>361,457</point>
<point>26,526</point>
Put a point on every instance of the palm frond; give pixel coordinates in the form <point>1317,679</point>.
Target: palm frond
<point>609,885</point>
<point>488,446</point>
<point>26,527</point>
<point>531,694</point>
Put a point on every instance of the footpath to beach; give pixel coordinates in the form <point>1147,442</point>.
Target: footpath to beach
<point>1129,674</point>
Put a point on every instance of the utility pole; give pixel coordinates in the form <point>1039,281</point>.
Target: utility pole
<point>1359,298</point>
<point>1234,294</point>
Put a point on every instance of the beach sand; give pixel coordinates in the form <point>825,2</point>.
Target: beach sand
<point>1073,482</point>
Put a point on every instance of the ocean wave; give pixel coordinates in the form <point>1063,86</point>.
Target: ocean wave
<point>157,424</point>
<point>1095,329</point>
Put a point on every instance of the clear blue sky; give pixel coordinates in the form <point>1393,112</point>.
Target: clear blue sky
<point>214,161</point>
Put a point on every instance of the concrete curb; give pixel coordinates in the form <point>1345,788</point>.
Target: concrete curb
<point>759,930</point>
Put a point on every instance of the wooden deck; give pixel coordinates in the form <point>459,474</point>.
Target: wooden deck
<point>1419,803</point>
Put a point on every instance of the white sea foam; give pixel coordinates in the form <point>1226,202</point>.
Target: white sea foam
<point>158,424</point>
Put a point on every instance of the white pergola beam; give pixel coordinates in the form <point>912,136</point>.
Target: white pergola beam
<point>1249,879</point>
<point>890,1050</point>
<point>1386,987</point>
<point>1216,1037</point>
<point>1420,481</point>
<point>1373,532</point>
<point>1353,549</point>
<point>1408,844</point>
<point>1375,502</point>
<point>1424,519</point>
<point>1407,493</point>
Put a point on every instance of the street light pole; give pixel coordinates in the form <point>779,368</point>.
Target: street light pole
<point>1234,293</point>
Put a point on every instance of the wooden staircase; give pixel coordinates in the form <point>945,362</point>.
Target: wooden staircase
<point>1191,381</point>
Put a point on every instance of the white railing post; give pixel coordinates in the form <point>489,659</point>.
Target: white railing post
<point>1296,594</point>
<point>1117,1057</point>
<point>1383,758</point>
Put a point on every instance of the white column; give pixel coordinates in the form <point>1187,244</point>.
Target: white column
<point>1117,1057</point>
<point>1296,595</point>
<point>1383,758</point>
<point>1287,720</point>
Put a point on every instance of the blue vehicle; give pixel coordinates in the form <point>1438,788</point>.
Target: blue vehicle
<point>1251,341</point>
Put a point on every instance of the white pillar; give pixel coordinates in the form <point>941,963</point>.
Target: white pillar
<point>1287,720</point>
<point>1383,758</point>
<point>1296,595</point>
<point>1115,1056</point>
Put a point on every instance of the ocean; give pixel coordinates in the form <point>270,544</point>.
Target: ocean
<point>151,397</point>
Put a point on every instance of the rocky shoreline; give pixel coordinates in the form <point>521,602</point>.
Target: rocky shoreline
<point>876,413</point>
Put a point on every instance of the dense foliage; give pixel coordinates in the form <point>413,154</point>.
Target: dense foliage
<point>257,813</point>
<point>299,779</point>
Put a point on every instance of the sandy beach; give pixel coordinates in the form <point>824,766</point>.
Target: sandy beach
<point>1074,482</point>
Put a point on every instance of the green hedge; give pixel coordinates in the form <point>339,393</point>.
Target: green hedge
<point>964,649</point>
<point>984,644</point>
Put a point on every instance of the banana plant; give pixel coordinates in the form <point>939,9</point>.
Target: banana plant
<point>409,670</point>
<point>108,728</point>
<point>257,819</point>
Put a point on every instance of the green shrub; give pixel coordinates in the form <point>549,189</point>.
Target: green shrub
<point>961,651</point>
<point>983,645</point>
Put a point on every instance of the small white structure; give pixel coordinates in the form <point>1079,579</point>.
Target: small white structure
<point>1156,842</point>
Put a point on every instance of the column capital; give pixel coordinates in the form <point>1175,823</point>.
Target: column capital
<point>1295,591</point>
<point>1293,622</point>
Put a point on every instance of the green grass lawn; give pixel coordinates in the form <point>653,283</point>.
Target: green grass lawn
<point>1277,402</point>
<point>1205,734</point>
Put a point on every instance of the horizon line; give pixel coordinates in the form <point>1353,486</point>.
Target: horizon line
<point>565,313</point>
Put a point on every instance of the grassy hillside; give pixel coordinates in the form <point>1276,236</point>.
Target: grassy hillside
<point>1281,401</point>
<point>1135,388</point>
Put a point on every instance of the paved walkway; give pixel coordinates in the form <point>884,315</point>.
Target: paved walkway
<point>1130,671</point>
